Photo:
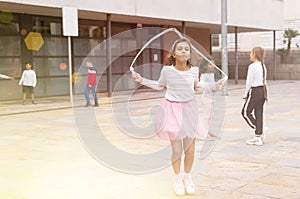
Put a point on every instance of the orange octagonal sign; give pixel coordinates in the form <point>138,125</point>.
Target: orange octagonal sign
<point>34,41</point>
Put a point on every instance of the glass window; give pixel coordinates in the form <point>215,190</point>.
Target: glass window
<point>47,25</point>
<point>8,23</point>
<point>89,38</point>
<point>82,47</point>
<point>51,66</point>
<point>53,46</point>
<point>10,46</point>
<point>57,86</point>
<point>11,67</point>
<point>215,40</point>
<point>92,31</point>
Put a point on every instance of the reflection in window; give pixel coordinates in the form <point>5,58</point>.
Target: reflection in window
<point>53,46</point>
<point>215,40</point>
<point>8,23</point>
<point>90,37</point>
<point>82,47</point>
<point>10,46</point>
<point>94,32</point>
<point>9,28</point>
<point>55,28</point>
<point>50,66</point>
<point>47,26</point>
<point>11,67</point>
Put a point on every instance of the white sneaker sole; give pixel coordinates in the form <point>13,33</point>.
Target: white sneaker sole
<point>254,143</point>
<point>180,193</point>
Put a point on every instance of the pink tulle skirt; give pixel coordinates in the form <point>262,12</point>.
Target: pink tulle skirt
<point>177,120</point>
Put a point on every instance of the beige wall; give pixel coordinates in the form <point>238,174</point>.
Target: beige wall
<point>248,41</point>
<point>244,13</point>
<point>290,71</point>
<point>265,14</point>
<point>291,9</point>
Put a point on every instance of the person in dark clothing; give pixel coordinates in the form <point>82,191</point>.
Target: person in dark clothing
<point>255,96</point>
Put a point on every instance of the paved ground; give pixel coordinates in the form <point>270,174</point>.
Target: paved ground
<point>45,153</point>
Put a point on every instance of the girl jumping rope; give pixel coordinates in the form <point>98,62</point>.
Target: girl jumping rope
<point>178,118</point>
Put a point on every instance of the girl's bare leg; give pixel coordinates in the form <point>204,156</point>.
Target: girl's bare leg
<point>176,155</point>
<point>32,96</point>
<point>24,96</point>
<point>189,151</point>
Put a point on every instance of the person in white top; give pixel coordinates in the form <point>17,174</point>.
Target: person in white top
<point>28,81</point>
<point>255,96</point>
<point>207,77</point>
<point>178,117</point>
<point>5,77</point>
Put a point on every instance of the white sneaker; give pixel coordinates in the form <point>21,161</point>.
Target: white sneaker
<point>188,184</point>
<point>263,137</point>
<point>256,140</point>
<point>178,186</point>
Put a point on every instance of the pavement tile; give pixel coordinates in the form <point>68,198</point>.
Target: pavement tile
<point>289,163</point>
<point>281,180</point>
<point>273,191</point>
<point>43,155</point>
<point>242,148</point>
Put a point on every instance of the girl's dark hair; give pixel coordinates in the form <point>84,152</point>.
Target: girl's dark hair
<point>170,59</point>
<point>28,62</point>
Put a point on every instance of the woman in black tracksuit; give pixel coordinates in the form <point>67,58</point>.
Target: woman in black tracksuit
<point>255,96</point>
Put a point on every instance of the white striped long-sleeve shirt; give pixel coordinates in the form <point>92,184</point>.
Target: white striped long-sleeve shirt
<point>180,85</point>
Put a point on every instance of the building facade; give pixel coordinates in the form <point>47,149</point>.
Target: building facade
<point>100,20</point>
<point>287,69</point>
<point>246,40</point>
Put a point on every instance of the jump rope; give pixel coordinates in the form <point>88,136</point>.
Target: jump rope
<point>131,68</point>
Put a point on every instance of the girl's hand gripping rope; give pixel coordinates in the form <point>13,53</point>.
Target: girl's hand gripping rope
<point>224,80</point>
<point>136,77</point>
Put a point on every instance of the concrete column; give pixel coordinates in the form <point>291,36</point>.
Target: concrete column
<point>236,56</point>
<point>108,56</point>
<point>224,42</point>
